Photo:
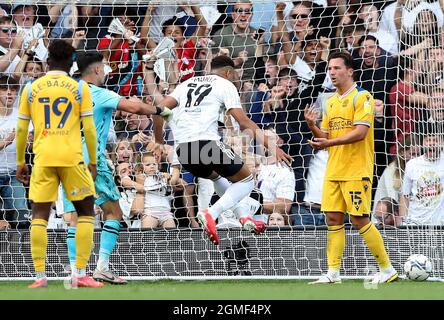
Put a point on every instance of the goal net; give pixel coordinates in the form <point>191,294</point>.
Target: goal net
<point>280,51</point>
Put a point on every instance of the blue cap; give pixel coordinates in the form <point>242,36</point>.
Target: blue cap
<point>21,4</point>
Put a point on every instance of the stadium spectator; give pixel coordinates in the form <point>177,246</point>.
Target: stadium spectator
<point>138,128</point>
<point>312,68</point>
<point>240,39</point>
<point>124,151</point>
<point>121,53</point>
<point>308,213</point>
<point>14,205</point>
<point>185,49</point>
<point>271,71</point>
<point>276,219</point>
<point>426,21</point>
<point>376,73</point>
<point>406,102</point>
<point>435,106</point>
<point>422,200</point>
<point>132,195</point>
<point>276,182</point>
<point>389,185</point>
<point>386,213</point>
<point>369,14</point>
<point>155,16</point>
<point>65,20</point>
<point>11,42</point>
<point>25,16</point>
<point>29,68</point>
<point>350,39</point>
<point>158,195</point>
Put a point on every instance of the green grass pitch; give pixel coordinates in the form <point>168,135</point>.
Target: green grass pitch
<point>224,290</point>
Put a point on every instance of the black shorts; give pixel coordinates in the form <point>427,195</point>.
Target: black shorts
<point>203,157</point>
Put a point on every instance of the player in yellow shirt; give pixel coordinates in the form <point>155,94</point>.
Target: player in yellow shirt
<point>56,104</point>
<point>347,132</point>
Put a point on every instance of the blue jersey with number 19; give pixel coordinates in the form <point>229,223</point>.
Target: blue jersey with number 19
<point>54,103</point>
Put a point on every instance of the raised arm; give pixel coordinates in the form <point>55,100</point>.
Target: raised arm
<point>201,24</point>
<point>16,46</point>
<point>312,116</point>
<point>145,30</point>
<point>158,122</point>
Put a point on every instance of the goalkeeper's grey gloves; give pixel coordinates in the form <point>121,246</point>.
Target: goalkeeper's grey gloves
<point>164,112</point>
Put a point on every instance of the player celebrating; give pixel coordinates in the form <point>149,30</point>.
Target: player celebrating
<point>199,102</point>
<point>92,70</point>
<point>347,131</point>
<point>56,104</point>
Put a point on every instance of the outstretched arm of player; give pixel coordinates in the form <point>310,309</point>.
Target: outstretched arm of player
<point>137,106</point>
<point>21,138</point>
<point>245,123</point>
<point>168,103</point>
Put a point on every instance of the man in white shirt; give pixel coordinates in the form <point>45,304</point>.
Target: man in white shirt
<point>12,192</point>
<point>422,199</point>
<point>10,45</point>
<point>276,182</point>
<point>25,16</point>
<point>197,104</point>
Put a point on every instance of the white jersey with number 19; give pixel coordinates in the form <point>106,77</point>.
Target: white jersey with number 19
<point>200,101</point>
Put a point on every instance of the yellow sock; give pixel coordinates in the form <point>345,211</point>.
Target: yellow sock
<point>375,243</point>
<point>39,241</point>
<point>84,240</point>
<point>335,246</point>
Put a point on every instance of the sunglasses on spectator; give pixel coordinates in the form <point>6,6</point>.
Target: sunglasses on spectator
<point>241,10</point>
<point>6,30</point>
<point>299,16</point>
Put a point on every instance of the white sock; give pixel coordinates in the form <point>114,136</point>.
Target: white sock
<point>73,267</point>
<point>205,191</point>
<point>332,272</point>
<point>40,275</point>
<point>221,185</point>
<point>103,264</point>
<point>80,272</point>
<point>236,192</point>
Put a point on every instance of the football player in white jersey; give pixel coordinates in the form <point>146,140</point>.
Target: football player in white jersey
<point>197,104</point>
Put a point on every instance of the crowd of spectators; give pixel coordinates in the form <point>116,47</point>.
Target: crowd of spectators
<point>280,50</point>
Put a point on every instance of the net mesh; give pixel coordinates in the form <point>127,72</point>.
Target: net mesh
<point>280,51</point>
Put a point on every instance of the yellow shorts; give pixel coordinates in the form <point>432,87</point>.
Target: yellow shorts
<point>352,197</point>
<point>76,180</point>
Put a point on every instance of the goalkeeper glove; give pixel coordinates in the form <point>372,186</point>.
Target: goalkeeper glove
<point>164,112</point>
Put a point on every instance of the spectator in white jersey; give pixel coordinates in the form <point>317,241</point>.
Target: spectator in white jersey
<point>275,181</point>
<point>389,185</point>
<point>198,103</point>
<point>158,195</point>
<point>12,192</point>
<point>422,199</point>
